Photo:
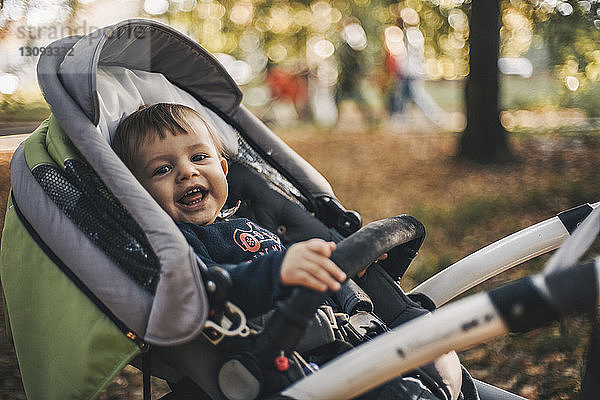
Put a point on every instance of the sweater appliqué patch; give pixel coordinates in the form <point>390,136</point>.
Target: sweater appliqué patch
<point>256,240</point>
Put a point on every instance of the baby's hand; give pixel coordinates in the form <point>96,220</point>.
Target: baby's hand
<point>308,264</point>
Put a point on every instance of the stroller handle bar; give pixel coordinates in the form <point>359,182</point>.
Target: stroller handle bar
<point>361,249</point>
<point>516,307</point>
<point>502,255</point>
<point>356,252</point>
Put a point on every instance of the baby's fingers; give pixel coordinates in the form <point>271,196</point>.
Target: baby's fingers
<point>327,272</point>
<point>333,270</point>
<point>321,247</point>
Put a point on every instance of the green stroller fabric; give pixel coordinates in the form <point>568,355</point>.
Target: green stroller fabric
<point>66,347</point>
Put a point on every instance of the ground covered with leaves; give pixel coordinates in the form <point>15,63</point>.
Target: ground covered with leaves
<point>464,207</point>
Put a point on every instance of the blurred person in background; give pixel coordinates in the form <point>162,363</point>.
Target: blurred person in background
<point>322,78</point>
<point>405,62</point>
<point>352,69</point>
<point>288,87</point>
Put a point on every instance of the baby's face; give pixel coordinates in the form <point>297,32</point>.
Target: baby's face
<point>185,174</point>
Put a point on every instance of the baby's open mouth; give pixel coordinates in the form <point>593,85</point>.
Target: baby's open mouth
<point>193,196</point>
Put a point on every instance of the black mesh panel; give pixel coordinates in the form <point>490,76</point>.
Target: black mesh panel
<point>84,198</point>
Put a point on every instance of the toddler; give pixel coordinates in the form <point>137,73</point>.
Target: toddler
<point>179,159</point>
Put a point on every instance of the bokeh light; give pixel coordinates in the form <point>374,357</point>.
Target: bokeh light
<point>458,20</point>
<point>240,71</point>
<point>565,8</point>
<point>277,52</point>
<point>323,48</point>
<point>185,5</point>
<point>257,96</point>
<point>394,40</point>
<point>210,10</point>
<point>8,83</point>
<point>242,13</point>
<point>156,7</point>
<point>515,66</point>
<point>280,19</point>
<point>572,83</point>
<point>355,36</point>
<point>516,33</point>
<point>249,41</point>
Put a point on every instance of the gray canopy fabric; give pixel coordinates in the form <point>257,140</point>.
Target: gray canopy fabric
<point>147,46</point>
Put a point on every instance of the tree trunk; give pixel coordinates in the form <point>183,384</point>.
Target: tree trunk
<point>484,139</point>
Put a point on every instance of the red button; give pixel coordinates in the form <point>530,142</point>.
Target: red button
<point>282,363</point>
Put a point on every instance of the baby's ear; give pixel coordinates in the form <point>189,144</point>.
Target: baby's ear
<point>224,165</point>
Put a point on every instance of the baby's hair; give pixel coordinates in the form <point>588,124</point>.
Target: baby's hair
<point>151,122</point>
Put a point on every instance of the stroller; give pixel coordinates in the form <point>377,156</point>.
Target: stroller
<point>97,276</point>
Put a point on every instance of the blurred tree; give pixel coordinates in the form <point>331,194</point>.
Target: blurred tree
<point>484,139</point>
<point>571,34</point>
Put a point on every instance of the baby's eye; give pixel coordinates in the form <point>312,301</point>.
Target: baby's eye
<point>198,157</point>
<point>161,170</point>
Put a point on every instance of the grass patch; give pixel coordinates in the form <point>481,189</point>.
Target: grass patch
<point>16,111</point>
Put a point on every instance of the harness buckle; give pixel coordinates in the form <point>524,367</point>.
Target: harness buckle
<point>232,322</point>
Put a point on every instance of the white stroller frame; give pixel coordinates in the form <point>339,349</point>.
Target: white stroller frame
<point>499,256</point>
<point>467,322</point>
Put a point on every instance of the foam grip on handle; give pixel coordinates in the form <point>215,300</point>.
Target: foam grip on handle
<point>363,247</point>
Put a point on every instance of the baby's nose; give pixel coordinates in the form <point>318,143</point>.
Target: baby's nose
<point>187,171</point>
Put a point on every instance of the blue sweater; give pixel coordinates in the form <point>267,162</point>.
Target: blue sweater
<point>251,254</point>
